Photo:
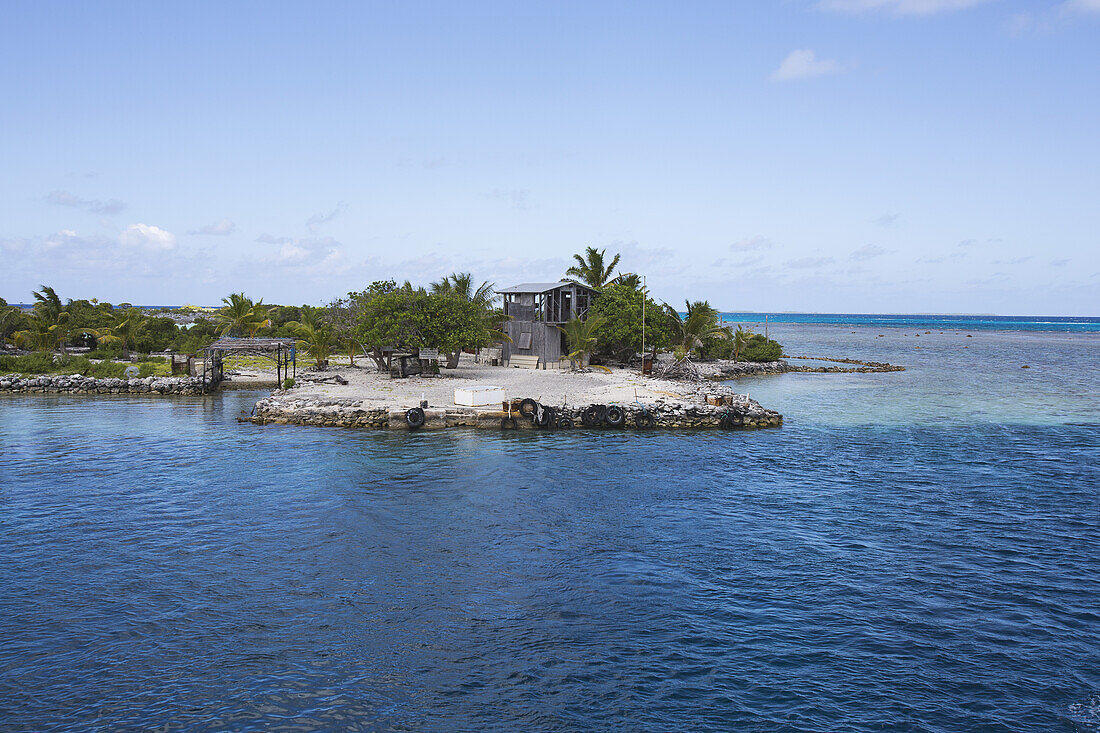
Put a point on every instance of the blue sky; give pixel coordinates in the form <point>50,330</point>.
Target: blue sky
<point>833,155</point>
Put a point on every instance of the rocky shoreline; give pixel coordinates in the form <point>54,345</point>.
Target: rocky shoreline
<point>77,384</point>
<point>701,406</point>
<point>728,369</point>
<point>746,414</point>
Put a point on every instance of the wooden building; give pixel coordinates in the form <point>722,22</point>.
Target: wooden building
<point>534,311</point>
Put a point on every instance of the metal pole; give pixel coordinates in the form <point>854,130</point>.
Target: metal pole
<point>643,325</point>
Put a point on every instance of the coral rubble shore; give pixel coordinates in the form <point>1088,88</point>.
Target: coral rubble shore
<point>364,398</point>
<point>348,413</point>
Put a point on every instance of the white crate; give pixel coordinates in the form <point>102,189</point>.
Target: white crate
<point>479,396</point>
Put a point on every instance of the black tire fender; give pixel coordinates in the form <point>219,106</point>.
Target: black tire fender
<point>545,417</point>
<point>528,407</point>
<point>565,423</point>
<point>644,419</point>
<point>414,417</point>
<point>615,417</point>
<point>731,420</point>
<point>508,423</point>
<point>592,416</point>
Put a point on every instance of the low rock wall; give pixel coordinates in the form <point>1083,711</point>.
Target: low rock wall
<point>728,369</point>
<point>77,384</point>
<point>731,413</point>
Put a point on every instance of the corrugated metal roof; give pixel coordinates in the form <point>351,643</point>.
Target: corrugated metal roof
<point>541,287</point>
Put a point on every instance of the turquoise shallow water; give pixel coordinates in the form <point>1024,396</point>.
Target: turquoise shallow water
<point>912,551</point>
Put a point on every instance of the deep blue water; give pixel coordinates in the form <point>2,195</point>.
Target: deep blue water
<point>889,560</point>
<point>1073,324</point>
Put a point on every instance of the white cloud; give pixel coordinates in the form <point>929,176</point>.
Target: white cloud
<point>810,263</point>
<point>898,7</point>
<point>94,206</point>
<point>1081,6</point>
<point>292,254</point>
<point>866,252</point>
<point>219,229</point>
<point>272,239</point>
<point>314,222</point>
<point>148,237</point>
<point>311,255</point>
<point>887,220</point>
<point>517,198</point>
<point>752,243</point>
<point>803,63</point>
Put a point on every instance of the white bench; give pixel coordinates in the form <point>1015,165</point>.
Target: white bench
<point>523,361</point>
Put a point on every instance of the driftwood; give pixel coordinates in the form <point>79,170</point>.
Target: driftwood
<point>678,369</point>
<point>327,379</point>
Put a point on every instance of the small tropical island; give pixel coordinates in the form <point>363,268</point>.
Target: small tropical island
<point>593,349</point>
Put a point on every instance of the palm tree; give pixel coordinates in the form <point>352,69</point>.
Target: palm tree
<point>581,337</point>
<point>41,336</point>
<point>485,297</point>
<point>699,324</point>
<point>52,318</point>
<point>740,339</point>
<point>631,280</point>
<point>125,331</point>
<point>591,270</point>
<point>260,318</point>
<point>318,341</point>
<point>462,285</point>
<point>9,321</point>
<point>240,315</point>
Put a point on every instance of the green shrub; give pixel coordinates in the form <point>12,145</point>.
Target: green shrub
<point>43,363</point>
<point>72,364</point>
<point>40,362</point>
<point>107,370</point>
<point>758,348</point>
<point>113,351</point>
<point>716,348</point>
<point>288,382</point>
<point>154,368</point>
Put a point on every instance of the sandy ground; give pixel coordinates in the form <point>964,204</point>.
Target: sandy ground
<point>551,386</point>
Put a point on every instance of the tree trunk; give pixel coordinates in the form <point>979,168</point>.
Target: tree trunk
<point>378,358</point>
<point>452,358</point>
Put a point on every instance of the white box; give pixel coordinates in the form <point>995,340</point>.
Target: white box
<point>479,396</point>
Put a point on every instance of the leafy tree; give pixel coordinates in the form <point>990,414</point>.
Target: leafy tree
<point>340,314</point>
<point>385,316</point>
<point>451,318</point>
<point>450,323</point>
<point>620,336</point>
<point>581,337</point>
<point>696,327</point>
<point>159,332</point>
<point>591,268</point>
<point>199,334</point>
